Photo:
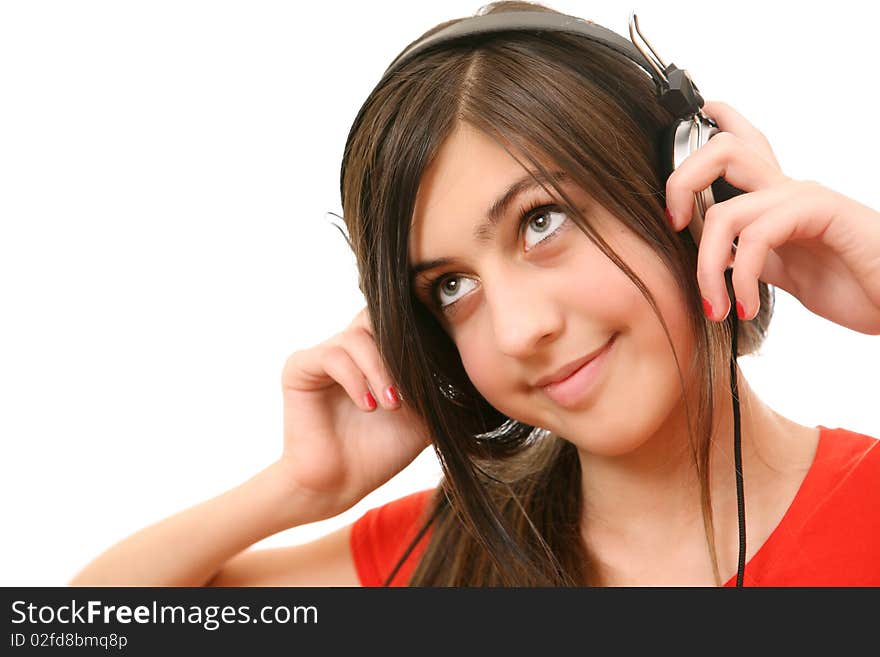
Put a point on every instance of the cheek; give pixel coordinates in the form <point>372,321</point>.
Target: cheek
<point>607,299</point>
<point>482,363</point>
<point>649,338</point>
<point>635,309</point>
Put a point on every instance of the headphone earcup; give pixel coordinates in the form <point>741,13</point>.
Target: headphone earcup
<point>674,146</point>
<point>666,151</point>
<point>677,142</point>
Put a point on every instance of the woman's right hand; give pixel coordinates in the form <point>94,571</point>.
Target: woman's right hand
<point>337,449</point>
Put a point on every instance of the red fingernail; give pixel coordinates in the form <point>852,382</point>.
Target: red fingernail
<point>391,395</point>
<point>740,311</point>
<point>707,308</point>
<point>669,218</point>
<point>370,401</point>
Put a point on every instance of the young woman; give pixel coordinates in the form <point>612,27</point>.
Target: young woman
<point>511,224</point>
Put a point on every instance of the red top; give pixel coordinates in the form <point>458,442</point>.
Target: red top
<point>829,536</point>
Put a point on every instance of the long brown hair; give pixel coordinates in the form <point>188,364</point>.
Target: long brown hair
<point>507,511</point>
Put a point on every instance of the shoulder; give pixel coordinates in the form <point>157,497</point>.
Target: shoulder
<point>829,534</point>
<point>394,518</point>
<point>835,520</point>
<point>845,469</point>
<point>844,451</point>
<point>382,534</point>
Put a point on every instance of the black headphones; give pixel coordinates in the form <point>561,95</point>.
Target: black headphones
<point>690,130</point>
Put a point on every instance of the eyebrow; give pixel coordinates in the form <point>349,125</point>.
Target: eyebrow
<point>485,231</point>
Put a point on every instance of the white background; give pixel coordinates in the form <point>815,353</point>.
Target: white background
<point>166,170</point>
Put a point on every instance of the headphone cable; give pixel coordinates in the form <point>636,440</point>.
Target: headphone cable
<point>737,441</point>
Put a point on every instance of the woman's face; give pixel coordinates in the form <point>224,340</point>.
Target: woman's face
<point>521,305</point>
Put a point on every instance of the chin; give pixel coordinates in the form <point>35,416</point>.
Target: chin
<point>611,439</point>
<point>612,448</point>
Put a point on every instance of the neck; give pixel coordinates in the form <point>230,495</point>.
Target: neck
<point>651,495</point>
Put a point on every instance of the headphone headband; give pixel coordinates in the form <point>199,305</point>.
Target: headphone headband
<point>674,87</point>
<point>531,21</point>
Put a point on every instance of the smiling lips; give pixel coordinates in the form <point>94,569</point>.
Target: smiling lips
<point>567,370</point>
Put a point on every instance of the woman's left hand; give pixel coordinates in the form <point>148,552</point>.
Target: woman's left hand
<point>815,243</point>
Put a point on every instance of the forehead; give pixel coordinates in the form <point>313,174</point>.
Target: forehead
<point>467,163</point>
<point>459,185</point>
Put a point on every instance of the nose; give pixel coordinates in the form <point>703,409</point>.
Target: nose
<point>525,311</point>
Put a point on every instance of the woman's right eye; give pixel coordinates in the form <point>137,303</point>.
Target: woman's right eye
<point>447,285</point>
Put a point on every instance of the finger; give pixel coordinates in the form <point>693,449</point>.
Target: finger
<point>724,222</point>
<point>729,120</point>
<point>778,225</point>
<point>362,349</point>
<point>725,155</point>
<point>339,365</point>
<point>321,367</point>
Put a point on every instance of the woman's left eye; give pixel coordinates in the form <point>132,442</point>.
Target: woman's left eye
<point>544,221</point>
